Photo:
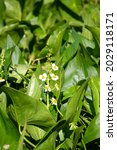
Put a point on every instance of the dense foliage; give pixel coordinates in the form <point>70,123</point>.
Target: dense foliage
<point>49,74</point>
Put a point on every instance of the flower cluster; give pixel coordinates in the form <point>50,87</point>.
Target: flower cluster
<point>51,75</point>
<point>46,77</point>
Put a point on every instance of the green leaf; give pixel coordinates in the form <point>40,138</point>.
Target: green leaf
<point>93,130</point>
<point>68,52</point>
<point>70,8</point>
<point>77,137</point>
<point>75,102</point>
<point>35,132</point>
<point>13,11</point>
<point>19,72</point>
<point>95,87</point>
<point>2,12</point>
<point>50,136</point>
<point>78,69</point>
<point>48,144</point>
<point>67,144</point>
<point>86,42</point>
<point>7,62</point>
<point>29,110</point>
<point>8,131</point>
<point>34,89</point>
<point>17,57</point>
<point>54,41</point>
<point>96,35</point>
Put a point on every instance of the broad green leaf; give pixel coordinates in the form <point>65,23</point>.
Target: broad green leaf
<point>9,43</point>
<point>19,72</point>
<point>7,28</point>
<point>50,136</point>
<point>54,41</point>
<point>35,132</point>
<point>2,12</point>
<point>48,144</point>
<point>93,130</point>
<point>17,57</point>
<point>68,52</point>
<point>27,8</point>
<point>67,144</point>
<point>26,39</point>
<point>74,5</point>
<point>77,133</point>
<point>13,11</point>
<point>7,62</point>
<point>96,32</point>
<point>78,69</point>
<point>96,35</point>
<point>86,42</point>
<point>70,8</point>
<point>75,102</point>
<point>34,89</point>
<point>69,92</point>
<point>48,1</point>
<point>95,87</point>
<point>29,110</point>
<point>8,131</point>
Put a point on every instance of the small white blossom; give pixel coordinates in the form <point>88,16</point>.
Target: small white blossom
<point>43,77</point>
<point>56,86</point>
<point>54,77</point>
<point>54,67</point>
<point>47,88</point>
<point>53,101</point>
<point>2,80</point>
<point>6,146</point>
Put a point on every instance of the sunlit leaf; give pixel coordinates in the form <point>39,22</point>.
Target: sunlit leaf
<point>13,11</point>
<point>93,130</point>
<point>75,102</point>
<point>8,131</point>
<point>29,109</point>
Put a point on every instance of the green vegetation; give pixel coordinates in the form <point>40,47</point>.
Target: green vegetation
<point>49,75</point>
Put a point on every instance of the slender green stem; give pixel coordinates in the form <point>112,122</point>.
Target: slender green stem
<point>83,144</point>
<point>48,104</point>
<point>59,111</point>
<point>26,138</point>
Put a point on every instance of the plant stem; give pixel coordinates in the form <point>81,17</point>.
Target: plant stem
<point>59,111</point>
<point>48,100</point>
<point>48,104</point>
<point>26,138</point>
<point>83,144</point>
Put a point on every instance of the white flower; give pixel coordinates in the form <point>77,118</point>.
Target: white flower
<point>6,146</point>
<point>54,77</point>
<point>43,77</point>
<point>54,67</point>
<point>47,88</point>
<point>53,101</point>
<point>56,86</point>
<point>2,80</point>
